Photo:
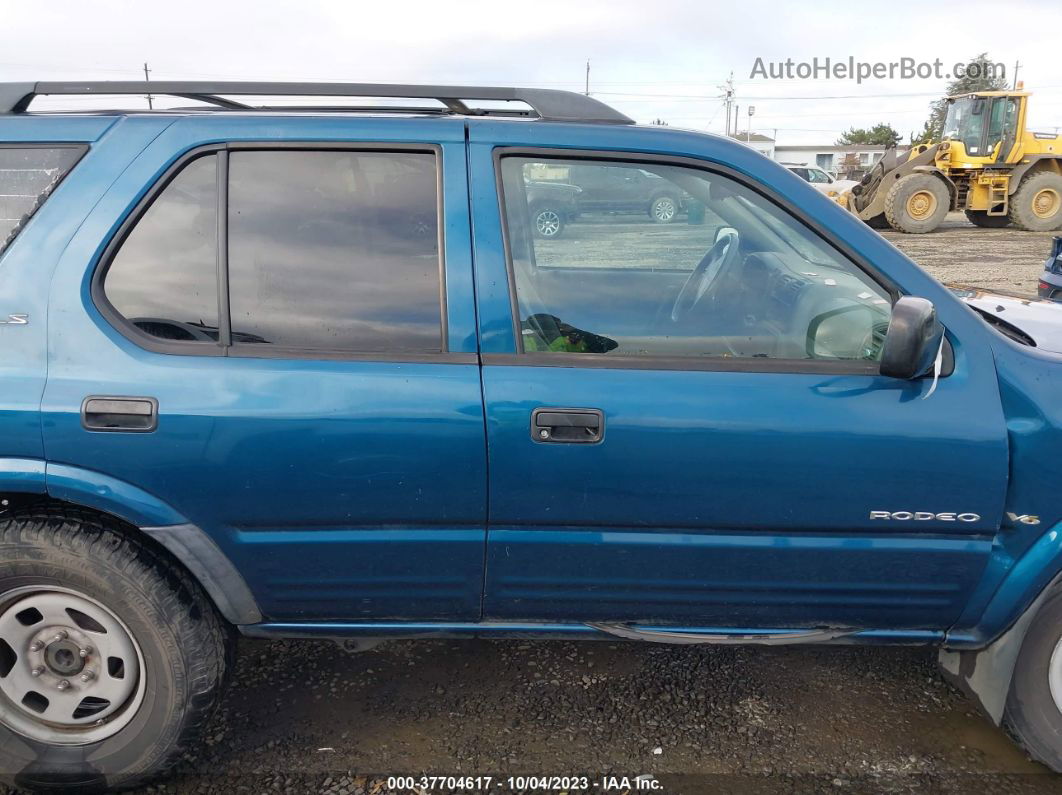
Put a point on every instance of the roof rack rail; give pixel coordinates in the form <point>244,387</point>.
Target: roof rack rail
<point>547,104</point>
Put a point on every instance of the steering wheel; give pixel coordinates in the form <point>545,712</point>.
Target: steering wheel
<point>723,252</point>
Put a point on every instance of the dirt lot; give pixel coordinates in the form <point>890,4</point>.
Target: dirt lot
<point>960,253</point>
<point>308,717</point>
<point>957,253</point>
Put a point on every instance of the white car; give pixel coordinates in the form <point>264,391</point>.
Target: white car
<point>821,180</point>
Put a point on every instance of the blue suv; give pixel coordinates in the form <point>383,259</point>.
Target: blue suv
<point>312,372</point>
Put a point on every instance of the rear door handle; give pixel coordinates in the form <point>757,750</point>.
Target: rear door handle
<point>129,414</point>
<point>567,426</point>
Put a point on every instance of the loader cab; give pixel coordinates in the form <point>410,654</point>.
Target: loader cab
<point>982,128</point>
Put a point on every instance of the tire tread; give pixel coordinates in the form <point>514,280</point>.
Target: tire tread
<point>114,546</point>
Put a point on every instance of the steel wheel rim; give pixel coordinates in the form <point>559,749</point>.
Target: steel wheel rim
<point>921,205</point>
<point>63,681</point>
<point>664,209</point>
<point>1046,202</point>
<point>548,223</point>
<point>1054,675</point>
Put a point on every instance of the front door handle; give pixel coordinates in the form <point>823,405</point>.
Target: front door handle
<point>567,426</point>
<point>129,414</point>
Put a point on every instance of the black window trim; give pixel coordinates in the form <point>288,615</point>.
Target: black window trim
<point>720,363</point>
<point>82,149</point>
<point>254,351</point>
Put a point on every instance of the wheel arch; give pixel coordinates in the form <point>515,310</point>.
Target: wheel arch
<point>985,671</point>
<point>1033,164</point>
<point>134,511</point>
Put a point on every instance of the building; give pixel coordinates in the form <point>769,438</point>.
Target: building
<point>761,143</point>
<point>831,157</point>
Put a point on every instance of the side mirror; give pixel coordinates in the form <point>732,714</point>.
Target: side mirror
<point>913,339</point>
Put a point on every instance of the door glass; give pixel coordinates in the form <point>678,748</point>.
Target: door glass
<point>727,274</point>
<point>163,279</point>
<point>335,250</point>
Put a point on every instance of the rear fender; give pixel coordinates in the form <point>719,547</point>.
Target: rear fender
<point>189,544</point>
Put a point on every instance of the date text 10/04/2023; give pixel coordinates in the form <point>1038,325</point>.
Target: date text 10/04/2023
<point>609,783</point>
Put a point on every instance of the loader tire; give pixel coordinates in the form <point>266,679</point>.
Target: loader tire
<point>982,218</point>
<point>1036,205</point>
<point>917,203</point>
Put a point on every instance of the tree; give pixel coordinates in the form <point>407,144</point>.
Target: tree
<point>881,134</point>
<point>980,75</point>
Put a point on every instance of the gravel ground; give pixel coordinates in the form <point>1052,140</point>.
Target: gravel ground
<point>961,253</point>
<point>310,717</point>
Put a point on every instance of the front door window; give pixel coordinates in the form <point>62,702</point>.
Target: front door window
<point>737,277</point>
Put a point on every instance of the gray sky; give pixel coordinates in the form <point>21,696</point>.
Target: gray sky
<point>665,58</point>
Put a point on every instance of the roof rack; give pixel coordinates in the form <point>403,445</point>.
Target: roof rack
<point>547,104</point>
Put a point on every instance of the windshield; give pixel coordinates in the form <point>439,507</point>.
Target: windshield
<point>964,122</point>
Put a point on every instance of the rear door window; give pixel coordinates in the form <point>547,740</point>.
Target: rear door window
<point>335,250</point>
<point>316,251</point>
<point>28,175</point>
<point>164,277</point>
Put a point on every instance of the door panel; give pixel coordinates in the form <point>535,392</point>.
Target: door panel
<point>726,489</point>
<point>346,486</point>
<point>738,498</point>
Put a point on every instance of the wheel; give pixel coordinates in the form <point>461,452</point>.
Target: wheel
<point>1033,712</point>
<point>111,657</point>
<point>982,218</point>
<point>547,221</point>
<point>663,209</point>
<point>1036,205</point>
<point>917,203</point>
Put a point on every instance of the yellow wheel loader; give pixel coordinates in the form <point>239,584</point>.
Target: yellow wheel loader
<point>987,165</point>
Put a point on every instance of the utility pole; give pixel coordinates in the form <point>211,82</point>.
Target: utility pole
<point>587,92</point>
<point>737,114</point>
<point>147,79</point>
<point>728,97</point>
<point>1017,66</point>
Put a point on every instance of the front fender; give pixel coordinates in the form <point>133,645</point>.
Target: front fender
<point>981,659</point>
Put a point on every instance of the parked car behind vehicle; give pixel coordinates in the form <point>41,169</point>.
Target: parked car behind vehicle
<point>627,190</point>
<point>552,205</point>
<point>1050,285</point>
<point>821,180</point>
<point>281,373</point>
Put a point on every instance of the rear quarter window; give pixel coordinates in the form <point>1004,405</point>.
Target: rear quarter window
<point>28,175</point>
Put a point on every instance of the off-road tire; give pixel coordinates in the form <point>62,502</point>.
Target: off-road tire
<point>1031,713</point>
<point>900,195</point>
<point>1022,214</point>
<point>983,219</point>
<point>186,648</point>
